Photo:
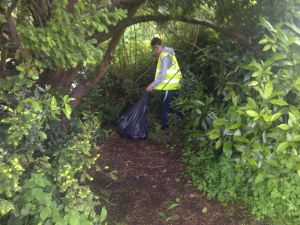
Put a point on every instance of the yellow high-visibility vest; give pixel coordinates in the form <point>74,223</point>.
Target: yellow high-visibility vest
<point>173,76</point>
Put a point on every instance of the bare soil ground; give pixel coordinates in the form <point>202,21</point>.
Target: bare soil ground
<point>143,183</point>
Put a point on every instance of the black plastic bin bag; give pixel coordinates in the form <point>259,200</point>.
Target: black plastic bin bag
<point>133,123</point>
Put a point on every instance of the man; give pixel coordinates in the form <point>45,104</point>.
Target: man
<point>167,77</point>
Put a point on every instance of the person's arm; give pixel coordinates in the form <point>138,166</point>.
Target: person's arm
<point>166,63</point>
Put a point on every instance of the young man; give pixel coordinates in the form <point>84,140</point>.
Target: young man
<point>167,77</point>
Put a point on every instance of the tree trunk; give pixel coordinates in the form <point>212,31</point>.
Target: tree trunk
<point>82,89</point>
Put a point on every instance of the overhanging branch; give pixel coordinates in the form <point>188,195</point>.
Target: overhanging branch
<point>101,37</point>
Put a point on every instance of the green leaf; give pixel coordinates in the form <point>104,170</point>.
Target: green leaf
<point>292,118</point>
<point>253,83</point>
<point>198,111</point>
<point>283,126</point>
<point>172,218</point>
<point>235,126</point>
<point>252,163</point>
<point>103,215</point>
<point>278,56</point>
<point>213,134</point>
<point>253,66</point>
<point>36,106</point>
<point>74,220</point>
<point>173,205</point>
<point>267,47</point>
<point>297,83</point>
<point>251,102</point>
<point>276,116</point>
<point>162,215</point>
<point>45,213</point>
<point>263,41</point>
<point>274,58</point>
<point>267,118</point>
<point>25,211</point>
<point>66,98</point>
<point>296,138</point>
<point>218,144</point>
<point>278,102</point>
<point>259,178</point>
<point>241,139</point>
<point>252,113</point>
<point>53,103</point>
<point>266,24</point>
<point>219,122</point>
<point>293,27</point>
<point>227,149</point>
<point>268,90</point>
<point>67,110</point>
<point>282,146</point>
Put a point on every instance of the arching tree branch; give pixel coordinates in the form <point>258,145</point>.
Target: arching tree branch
<point>101,37</point>
<point>82,89</point>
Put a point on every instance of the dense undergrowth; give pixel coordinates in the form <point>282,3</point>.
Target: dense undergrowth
<point>243,138</point>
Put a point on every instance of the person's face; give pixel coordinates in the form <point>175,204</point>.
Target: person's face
<point>157,48</point>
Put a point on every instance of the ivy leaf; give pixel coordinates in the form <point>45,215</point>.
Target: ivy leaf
<point>74,220</point>
<point>45,213</point>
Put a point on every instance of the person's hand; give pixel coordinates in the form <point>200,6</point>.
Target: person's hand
<point>149,88</point>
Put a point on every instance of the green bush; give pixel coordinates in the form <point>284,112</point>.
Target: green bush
<point>250,149</point>
<point>44,171</point>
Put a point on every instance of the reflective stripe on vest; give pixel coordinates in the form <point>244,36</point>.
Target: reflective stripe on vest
<point>173,76</point>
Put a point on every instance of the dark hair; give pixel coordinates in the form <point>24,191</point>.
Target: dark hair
<point>156,41</point>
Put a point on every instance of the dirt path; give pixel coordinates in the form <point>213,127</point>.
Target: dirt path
<point>144,179</point>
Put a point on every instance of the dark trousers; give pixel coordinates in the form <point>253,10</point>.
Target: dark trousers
<point>167,98</point>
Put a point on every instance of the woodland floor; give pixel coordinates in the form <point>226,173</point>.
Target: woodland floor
<point>144,179</point>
